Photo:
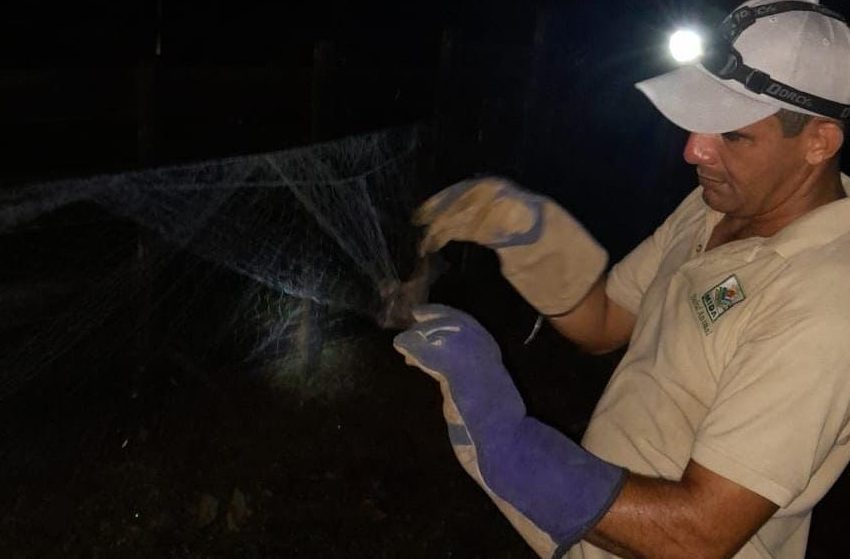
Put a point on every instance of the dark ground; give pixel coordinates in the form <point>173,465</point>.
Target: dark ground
<point>221,465</point>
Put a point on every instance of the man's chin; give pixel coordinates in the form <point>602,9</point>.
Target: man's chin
<point>714,199</point>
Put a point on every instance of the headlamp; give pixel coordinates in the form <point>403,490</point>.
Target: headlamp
<point>686,45</point>
<point>724,61</point>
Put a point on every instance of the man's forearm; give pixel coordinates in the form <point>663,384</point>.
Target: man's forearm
<point>651,518</point>
<point>597,324</point>
<point>701,516</point>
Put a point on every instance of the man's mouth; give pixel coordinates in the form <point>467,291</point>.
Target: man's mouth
<point>706,179</point>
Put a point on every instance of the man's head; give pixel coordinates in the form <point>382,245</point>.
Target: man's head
<point>763,169</point>
<point>761,153</point>
<point>767,56</point>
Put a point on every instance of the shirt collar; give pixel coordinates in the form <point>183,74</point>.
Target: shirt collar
<point>818,227</point>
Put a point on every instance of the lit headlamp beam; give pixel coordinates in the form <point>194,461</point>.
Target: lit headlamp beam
<point>685,45</point>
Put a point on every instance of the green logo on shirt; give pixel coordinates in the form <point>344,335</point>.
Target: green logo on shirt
<point>722,297</point>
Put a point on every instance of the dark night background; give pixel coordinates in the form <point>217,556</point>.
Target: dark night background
<point>124,459</point>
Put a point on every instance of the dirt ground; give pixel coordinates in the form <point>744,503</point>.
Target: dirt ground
<point>226,465</point>
<point>350,459</point>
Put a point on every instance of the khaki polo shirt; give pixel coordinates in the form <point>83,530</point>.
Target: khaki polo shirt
<point>739,360</point>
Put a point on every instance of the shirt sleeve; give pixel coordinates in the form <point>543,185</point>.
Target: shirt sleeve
<point>782,400</point>
<point>629,279</point>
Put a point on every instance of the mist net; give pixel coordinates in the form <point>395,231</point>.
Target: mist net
<point>261,257</point>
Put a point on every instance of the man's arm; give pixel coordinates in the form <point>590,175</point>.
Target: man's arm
<point>702,516</point>
<point>598,324</point>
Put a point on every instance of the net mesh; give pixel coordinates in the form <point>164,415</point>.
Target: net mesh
<point>257,256</point>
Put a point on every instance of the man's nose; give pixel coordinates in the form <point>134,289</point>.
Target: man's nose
<point>700,149</point>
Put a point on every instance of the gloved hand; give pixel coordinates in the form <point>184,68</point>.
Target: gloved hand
<point>544,252</point>
<point>551,490</point>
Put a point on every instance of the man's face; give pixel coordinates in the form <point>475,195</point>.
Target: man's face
<point>751,172</point>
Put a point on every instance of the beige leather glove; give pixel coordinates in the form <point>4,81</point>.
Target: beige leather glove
<point>546,254</point>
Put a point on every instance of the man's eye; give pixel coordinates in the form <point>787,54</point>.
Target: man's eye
<point>731,136</point>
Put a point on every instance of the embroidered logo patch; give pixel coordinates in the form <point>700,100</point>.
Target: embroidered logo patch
<point>722,297</point>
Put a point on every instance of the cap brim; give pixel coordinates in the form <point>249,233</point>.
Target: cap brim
<point>697,101</point>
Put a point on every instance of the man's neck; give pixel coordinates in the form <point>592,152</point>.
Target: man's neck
<point>821,191</point>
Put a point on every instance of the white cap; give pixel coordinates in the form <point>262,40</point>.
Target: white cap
<point>806,50</point>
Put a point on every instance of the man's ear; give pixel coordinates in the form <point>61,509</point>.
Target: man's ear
<point>825,138</point>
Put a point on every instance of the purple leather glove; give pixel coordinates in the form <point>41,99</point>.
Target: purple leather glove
<point>558,488</point>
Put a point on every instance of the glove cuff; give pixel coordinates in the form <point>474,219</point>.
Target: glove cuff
<point>556,272</point>
<point>551,490</point>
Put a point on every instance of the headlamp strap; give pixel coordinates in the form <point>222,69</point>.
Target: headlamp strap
<point>744,17</point>
<point>761,82</point>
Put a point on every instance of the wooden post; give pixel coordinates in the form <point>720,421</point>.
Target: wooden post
<point>445,73</point>
<point>531,103</point>
<point>309,340</point>
<point>321,107</point>
<point>145,78</point>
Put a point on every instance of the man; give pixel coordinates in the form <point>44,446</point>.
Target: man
<point>728,418</point>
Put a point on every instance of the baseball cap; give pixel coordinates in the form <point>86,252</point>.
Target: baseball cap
<point>805,51</point>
